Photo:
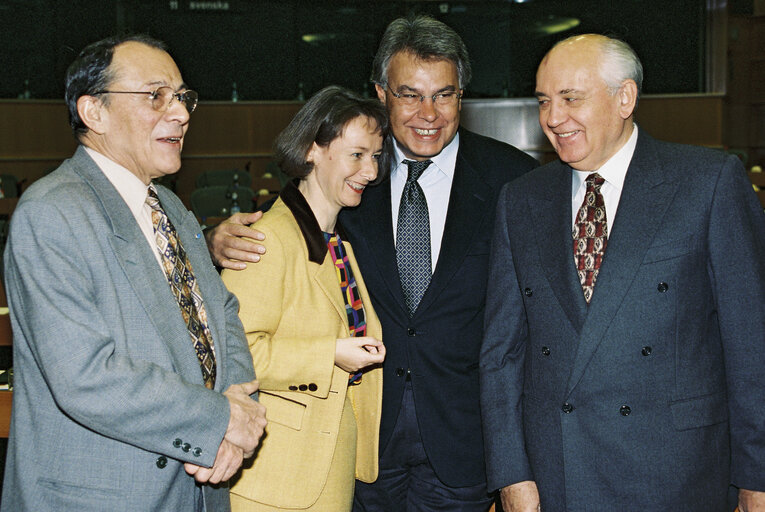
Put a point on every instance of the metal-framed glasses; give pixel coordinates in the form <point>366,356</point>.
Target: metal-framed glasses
<point>412,99</point>
<point>162,97</point>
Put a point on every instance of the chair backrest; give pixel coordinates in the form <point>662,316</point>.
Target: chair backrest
<point>9,185</point>
<point>224,177</point>
<point>218,201</point>
<point>758,180</point>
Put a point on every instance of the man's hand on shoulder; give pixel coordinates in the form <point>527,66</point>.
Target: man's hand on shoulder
<point>751,501</point>
<point>520,497</point>
<point>231,242</point>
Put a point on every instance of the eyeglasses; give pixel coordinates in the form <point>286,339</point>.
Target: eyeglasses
<point>411,99</point>
<point>162,97</point>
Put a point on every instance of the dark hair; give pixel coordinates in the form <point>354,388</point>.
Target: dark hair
<point>321,120</point>
<point>425,37</point>
<point>91,72</point>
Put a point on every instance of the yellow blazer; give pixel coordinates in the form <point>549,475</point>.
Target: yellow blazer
<point>293,312</point>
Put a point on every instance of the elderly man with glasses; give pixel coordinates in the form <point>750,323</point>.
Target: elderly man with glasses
<point>133,377</point>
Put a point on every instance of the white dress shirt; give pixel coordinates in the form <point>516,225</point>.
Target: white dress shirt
<point>133,192</point>
<point>436,183</point>
<point>613,171</point>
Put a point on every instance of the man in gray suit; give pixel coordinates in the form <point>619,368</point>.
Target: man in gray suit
<point>622,361</point>
<point>132,387</point>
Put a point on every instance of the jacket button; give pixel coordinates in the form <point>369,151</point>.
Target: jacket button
<point>177,443</point>
<point>312,387</point>
<point>567,408</point>
<point>545,351</point>
<point>293,388</point>
<point>625,410</point>
<point>411,332</point>
<point>663,287</point>
<point>302,387</point>
<point>161,462</point>
<point>197,451</point>
<point>646,351</point>
<point>186,447</point>
<point>527,292</point>
<point>399,372</point>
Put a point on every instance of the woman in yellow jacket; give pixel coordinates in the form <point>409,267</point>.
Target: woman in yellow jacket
<point>314,338</point>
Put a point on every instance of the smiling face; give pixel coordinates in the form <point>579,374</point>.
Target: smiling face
<point>423,130</point>
<point>584,122</point>
<point>342,170</point>
<point>126,128</point>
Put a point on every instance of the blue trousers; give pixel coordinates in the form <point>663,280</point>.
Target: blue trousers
<point>407,482</point>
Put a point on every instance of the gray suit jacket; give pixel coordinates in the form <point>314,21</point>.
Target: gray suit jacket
<point>650,398</point>
<point>109,400</point>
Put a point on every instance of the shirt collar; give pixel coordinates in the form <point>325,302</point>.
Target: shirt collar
<point>444,162</point>
<point>128,185</point>
<point>615,169</point>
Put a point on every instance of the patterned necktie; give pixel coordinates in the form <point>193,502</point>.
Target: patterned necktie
<point>413,238</point>
<point>590,235</point>
<point>180,277</point>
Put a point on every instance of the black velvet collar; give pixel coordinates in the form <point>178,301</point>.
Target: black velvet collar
<point>309,226</point>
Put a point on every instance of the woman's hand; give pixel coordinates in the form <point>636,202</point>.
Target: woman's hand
<point>353,354</point>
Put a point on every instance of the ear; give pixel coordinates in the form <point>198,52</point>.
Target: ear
<point>380,93</point>
<point>91,111</point>
<point>313,154</point>
<point>459,101</point>
<point>627,94</point>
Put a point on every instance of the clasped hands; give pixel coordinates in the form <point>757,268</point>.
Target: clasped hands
<point>246,425</point>
<point>354,354</point>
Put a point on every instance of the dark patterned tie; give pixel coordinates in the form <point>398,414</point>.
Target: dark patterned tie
<point>413,238</point>
<point>590,235</point>
<point>180,277</point>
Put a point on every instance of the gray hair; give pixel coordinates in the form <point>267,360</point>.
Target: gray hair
<point>425,37</point>
<point>619,62</point>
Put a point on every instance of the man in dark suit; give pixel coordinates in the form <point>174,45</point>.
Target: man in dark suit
<point>624,344</point>
<point>430,437</point>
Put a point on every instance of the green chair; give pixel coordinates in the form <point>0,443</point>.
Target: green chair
<point>221,201</point>
<point>224,177</point>
<point>9,185</point>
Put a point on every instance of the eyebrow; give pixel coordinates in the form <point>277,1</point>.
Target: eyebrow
<point>448,88</point>
<point>162,83</point>
<point>562,92</point>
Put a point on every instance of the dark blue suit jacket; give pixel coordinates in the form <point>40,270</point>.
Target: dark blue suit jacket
<point>440,344</point>
<point>650,398</point>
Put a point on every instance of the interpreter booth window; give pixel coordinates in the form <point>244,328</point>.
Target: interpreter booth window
<point>288,49</point>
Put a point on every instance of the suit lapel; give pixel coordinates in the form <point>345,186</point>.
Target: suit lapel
<point>377,227</point>
<point>644,201</point>
<point>325,275</point>
<point>140,266</point>
<point>467,207</point>
<point>189,232</point>
<point>551,217</point>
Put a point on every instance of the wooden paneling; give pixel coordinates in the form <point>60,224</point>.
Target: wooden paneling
<point>35,135</point>
<point>6,400</point>
<point>687,119</point>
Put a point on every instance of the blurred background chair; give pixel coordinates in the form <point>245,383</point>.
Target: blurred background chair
<point>213,204</point>
<point>268,185</point>
<point>224,177</point>
<point>9,186</point>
